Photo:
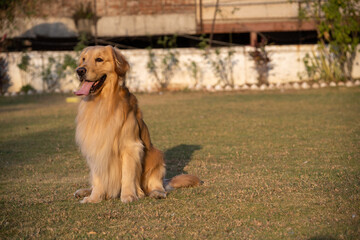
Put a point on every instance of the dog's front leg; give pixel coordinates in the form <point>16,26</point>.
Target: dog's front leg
<point>131,173</point>
<point>97,193</point>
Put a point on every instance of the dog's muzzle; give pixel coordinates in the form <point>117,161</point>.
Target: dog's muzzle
<point>89,87</point>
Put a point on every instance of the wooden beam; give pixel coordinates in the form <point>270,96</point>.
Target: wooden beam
<point>253,39</point>
<point>259,27</point>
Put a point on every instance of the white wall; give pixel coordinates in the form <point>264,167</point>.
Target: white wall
<point>286,66</point>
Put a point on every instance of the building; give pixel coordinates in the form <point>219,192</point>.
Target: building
<point>56,24</point>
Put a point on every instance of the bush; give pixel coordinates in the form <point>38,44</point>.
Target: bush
<point>338,28</point>
<point>25,62</point>
<point>222,65</point>
<point>262,62</point>
<point>26,88</point>
<point>163,69</point>
<point>4,76</point>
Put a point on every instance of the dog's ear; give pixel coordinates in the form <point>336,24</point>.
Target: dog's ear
<point>121,65</point>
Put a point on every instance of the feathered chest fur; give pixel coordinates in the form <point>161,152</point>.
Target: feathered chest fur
<point>97,130</point>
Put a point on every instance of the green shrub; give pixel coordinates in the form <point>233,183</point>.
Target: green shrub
<point>164,69</point>
<point>4,76</point>
<point>26,88</point>
<point>338,29</point>
<point>25,62</point>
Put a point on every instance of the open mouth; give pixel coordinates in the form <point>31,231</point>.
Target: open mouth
<point>89,87</point>
<point>97,84</point>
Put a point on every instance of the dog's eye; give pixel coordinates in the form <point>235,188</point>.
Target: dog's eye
<point>98,60</point>
<point>83,59</point>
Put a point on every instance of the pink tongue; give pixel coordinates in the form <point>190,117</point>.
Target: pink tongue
<point>84,89</point>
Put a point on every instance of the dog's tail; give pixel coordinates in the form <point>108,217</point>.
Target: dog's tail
<point>182,181</point>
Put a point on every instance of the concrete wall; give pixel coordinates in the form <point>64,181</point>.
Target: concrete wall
<point>286,66</point>
<point>39,61</point>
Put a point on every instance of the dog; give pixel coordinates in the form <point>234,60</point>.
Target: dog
<point>113,136</point>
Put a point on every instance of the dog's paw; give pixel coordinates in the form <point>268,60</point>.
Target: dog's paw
<point>82,193</point>
<point>141,194</point>
<point>85,200</point>
<point>90,200</point>
<point>128,198</point>
<point>157,194</point>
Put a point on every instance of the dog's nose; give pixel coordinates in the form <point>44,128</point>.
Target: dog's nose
<point>81,71</point>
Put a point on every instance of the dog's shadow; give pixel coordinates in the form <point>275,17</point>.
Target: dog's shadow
<point>178,157</point>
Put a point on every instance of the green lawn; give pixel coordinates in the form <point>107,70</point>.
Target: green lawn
<point>275,166</point>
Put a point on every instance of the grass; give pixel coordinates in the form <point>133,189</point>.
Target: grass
<point>275,166</point>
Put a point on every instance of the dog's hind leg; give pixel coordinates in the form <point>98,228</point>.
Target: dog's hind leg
<point>156,189</point>
<point>154,172</point>
<point>81,193</point>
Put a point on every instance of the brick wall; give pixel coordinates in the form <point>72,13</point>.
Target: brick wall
<point>66,8</point>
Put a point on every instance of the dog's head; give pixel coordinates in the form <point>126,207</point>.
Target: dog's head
<point>100,66</point>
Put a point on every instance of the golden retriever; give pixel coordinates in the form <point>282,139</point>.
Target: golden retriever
<point>113,137</point>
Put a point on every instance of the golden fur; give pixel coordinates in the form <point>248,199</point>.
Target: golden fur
<point>112,135</point>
